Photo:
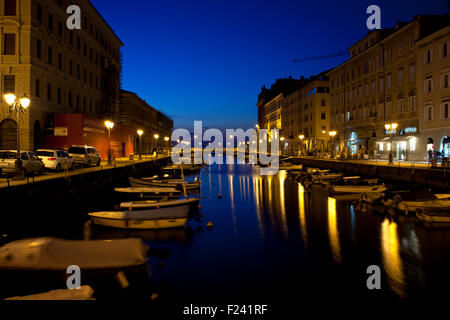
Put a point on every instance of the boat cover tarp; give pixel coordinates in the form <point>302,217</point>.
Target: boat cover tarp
<point>57,254</point>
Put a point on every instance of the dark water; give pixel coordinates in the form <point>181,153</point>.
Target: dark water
<point>274,243</point>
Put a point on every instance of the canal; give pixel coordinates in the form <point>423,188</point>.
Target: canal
<point>271,242</point>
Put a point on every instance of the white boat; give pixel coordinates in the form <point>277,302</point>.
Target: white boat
<point>442,196</point>
<point>53,254</point>
<point>138,183</point>
<point>83,293</point>
<point>358,189</point>
<point>155,191</point>
<point>146,214</point>
<point>434,216</point>
<point>429,206</point>
<point>290,167</point>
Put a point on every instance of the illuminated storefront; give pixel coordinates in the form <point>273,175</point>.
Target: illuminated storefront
<point>402,140</point>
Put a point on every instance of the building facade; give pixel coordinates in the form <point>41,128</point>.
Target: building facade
<point>434,92</point>
<point>60,70</point>
<point>304,111</point>
<point>378,86</point>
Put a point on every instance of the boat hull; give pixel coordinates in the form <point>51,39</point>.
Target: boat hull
<point>140,224</point>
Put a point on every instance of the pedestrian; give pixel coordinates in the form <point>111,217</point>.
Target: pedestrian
<point>430,155</point>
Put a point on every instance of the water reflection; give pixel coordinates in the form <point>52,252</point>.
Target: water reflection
<point>301,210</point>
<point>282,178</point>
<point>391,256</point>
<point>333,231</point>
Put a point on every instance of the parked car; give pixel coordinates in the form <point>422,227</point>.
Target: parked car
<point>55,159</point>
<point>31,163</point>
<point>85,155</point>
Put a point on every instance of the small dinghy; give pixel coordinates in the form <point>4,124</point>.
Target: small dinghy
<point>41,264</point>
<point>138,183</point>
<point>150,192</point>
<point>428,215</point>
<point>83,293</point>
<point>426,206</point>
<point>58,254</point>
<point>358,189</point>
<point>147,214</point>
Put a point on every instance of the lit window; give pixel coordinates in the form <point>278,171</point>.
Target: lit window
<point>412,144</point>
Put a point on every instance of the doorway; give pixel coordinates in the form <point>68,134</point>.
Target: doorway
<point>8,135</point>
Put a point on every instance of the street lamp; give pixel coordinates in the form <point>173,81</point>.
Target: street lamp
<point>156,136</point>
<point>332,135</point>
<point>390,130</point>
<point>109,125</point>
<point>140,133</point>
<point>167,143</point>
<point>18,105</point>
<point>301,137</point>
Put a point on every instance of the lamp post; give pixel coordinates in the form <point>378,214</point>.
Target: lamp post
<point>166,139</point>
<point>332,135</point>
<point>109,125</point>
<point>301,137</point>
<point>18,105</point>
<point>156,136</point>
<point>140,133</point>
<point>282,145</point>
<point>390,129</point>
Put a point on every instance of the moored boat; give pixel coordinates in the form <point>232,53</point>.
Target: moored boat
<point>358,189</point>
<point>150,192</point>
<point>147,214</point>
<point>434,216</point>
<point>138,183</point>
<point>428,206</point>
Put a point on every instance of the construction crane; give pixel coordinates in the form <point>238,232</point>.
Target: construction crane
<point>337,54</point>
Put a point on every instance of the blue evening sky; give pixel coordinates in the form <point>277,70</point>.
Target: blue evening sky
<point>208,59</point>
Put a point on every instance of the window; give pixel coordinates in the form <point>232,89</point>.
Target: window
<point>412,103</point>
<point>366,89</point>
<point>444,81</point>
<point>389,108</point>
<point>50,21</point>
<point>39,49</point>
<point>429,113</point>
<point>359,91</point>
<point>445,49</point>
<point>70,67</point>
<point>70,99</point>
<point>411,43</point>
<point>381,84</point>
<point>401,105</point>
<point>380,146</point>
<point>323,116</point>
<point>400,50</point>
<point>58,96</point>
<point>412,144</point>
<point>444,110</point>
<point>412,72</point>
<point>9,84</point>
<point>373,86</point>
<point>388,81</point>
<point>49,92</point>
<point>323,103</point>
<point>60,29</point>
<point>429,85</point>
<point>39,12</point>
<point>60,61</point>
<point>428,56</point>
<point>9,44</point>
<point>38,88</point>
<point>400,76</point>
<point>50,55</point>
<point>10,7</point>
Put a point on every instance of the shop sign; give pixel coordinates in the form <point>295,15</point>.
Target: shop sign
<point>61,132</point>
<point>394,131</point>
<point>410,129</point>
